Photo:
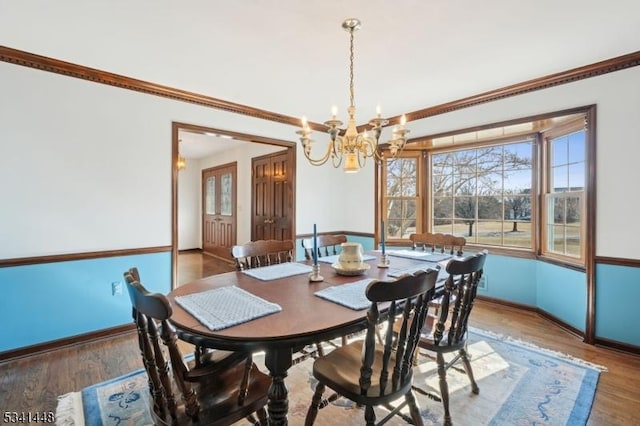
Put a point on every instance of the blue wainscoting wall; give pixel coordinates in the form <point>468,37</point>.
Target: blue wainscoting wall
<point>617,308</point>
<point>510,278</point>
<point>50,301</point>
<point>46,302</point>
<point>562,292</point>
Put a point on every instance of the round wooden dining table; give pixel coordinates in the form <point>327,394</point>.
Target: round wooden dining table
<point>304,319</point>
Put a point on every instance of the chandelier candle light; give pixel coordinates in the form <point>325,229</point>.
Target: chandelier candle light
<point>347,144</point>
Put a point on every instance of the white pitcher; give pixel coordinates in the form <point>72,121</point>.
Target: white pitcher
<point>351,256</point>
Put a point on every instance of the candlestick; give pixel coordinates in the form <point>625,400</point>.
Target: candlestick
<point>315,276</point>
<point>384,261</point>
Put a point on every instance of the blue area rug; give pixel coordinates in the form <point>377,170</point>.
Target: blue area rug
<point>520,384</point>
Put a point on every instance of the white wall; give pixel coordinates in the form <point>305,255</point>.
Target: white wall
<point>332,199</point>
<point>617,96</point>
<point>189,205</point>
<point>87,167</point>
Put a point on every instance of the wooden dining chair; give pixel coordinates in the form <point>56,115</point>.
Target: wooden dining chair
<point>373,374</point>
<point>448,332</point>
<point>438,243</point>
<point>255,254</point>
<point>206,360</point>
<point>327,245</point>
<point>259,253</point>
<point>211,396</point>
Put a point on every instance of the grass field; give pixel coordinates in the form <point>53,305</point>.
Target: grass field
<point>502,234</point>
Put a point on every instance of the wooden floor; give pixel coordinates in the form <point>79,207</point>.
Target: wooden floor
<point>193,265</point>
<point>33,383</point>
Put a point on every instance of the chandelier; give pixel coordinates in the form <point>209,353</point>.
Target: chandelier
<point>348,145</point>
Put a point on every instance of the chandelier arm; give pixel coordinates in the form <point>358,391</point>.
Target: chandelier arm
<point>379,156</point>
<point>316,161</point>
<point>369,146</point>
<point>362,160</point>
<point>336,145</point>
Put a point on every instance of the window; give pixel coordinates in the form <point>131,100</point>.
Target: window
<point>564,193</point>
<point>402,197</point>
<point>516,186</point>
<point>484,194</point>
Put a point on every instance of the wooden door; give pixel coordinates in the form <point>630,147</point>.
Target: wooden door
<point>219,210</point>
<point>273,197</point>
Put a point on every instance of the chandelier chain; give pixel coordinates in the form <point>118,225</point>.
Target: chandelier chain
<point>351,50</point>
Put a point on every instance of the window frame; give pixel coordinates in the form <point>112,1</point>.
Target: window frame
<point>419,198</point>
<point>546,192</point>
<point>505,141</point>
<point>543,123</point>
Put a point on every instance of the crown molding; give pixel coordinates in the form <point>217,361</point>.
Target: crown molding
<point>31,60</point>
<point>596,69</point>
<point>43,63</point>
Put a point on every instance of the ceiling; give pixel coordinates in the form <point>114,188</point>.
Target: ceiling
<point>194,145</point>
<point>291,56</point>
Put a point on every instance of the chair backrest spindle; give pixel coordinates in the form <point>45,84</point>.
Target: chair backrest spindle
<point>438,243</point>
<point>459,290</point>
<point>259,253</point>
<point>327,245</point>
<point>410,295</point>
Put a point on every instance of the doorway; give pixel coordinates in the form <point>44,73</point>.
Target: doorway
<point>254,146</point>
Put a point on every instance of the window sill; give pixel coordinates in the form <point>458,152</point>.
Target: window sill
<point>561,262</point>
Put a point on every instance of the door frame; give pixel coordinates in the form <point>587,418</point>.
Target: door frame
<point>176,127</point>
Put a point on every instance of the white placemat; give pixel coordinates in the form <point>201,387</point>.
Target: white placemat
<point>281,270</point>
<point>226,306</point>
<point>420,255</point>
<point>334,258</point>
<point>350,295</point>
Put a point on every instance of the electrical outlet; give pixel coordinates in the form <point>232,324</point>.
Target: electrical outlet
<point>116,288</point>
<point>482,285</point>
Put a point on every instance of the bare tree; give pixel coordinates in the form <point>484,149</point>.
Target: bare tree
<point>471,177</point>
<point>518,204</point>
<point>401,184</point>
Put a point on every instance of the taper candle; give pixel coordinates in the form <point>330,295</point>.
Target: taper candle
<point>315,245</point>
<point>382,235</point>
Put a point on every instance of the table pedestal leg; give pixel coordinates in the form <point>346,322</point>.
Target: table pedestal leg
<point>278,362</point>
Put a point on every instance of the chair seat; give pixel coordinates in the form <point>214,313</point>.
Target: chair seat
<point>213,362</point>
<point>218,397</point>
<point>426,342</point>
<point>340,370</point>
